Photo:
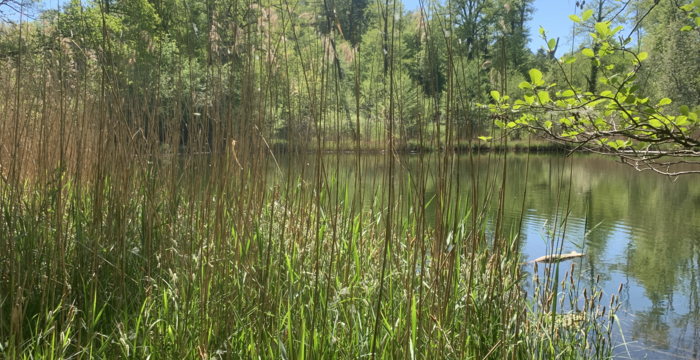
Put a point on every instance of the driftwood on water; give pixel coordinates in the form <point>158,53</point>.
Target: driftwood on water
<point>556,258</point>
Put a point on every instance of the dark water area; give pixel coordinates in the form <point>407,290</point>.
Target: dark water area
<point>638,229</point>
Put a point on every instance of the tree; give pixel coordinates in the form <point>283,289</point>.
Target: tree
<point>644,133</point>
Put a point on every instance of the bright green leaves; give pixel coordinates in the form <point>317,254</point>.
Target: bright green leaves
<point>551,44</point>
<point>543,97</point>
<point>525,85</point>
<point>684,110</point>
<point>496,95</point>
<point>682,120</point>
<point>642,56</point>
<point>485,138</point>
<point>664,101</point>
<point>587,14</point>
<point>575,18</point>
<point>656,123</point>
<point>536,77</point>
<point>588,52</point>
<point>529,99</point>
<point>548,124</point>
<point>692,10</point>
<point>619,144</point>
<point>568,93</point>
<point>570,60</point>
<point>602,28</point>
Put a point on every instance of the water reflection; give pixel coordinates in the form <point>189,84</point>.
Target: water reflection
<point>637,229</point>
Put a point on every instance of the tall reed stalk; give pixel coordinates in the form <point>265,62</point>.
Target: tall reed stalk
<point>151,208</point>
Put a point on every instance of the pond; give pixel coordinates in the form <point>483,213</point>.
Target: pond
<point>638,229</point>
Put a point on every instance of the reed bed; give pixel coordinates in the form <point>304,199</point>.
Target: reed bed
<point>147,216</point>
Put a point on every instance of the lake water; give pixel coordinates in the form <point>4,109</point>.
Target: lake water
<point>638,229</point>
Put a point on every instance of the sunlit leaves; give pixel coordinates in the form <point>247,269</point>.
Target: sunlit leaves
<point>619,144</point>
<point>588,52</point>
<point>536,77</point>
<point>587,14</point>
<point>529,99</point>
<point>575,18</point>
<point>664,101</point>
<point>602,29</point>
<point>525,85</point>
<point>496,95</point>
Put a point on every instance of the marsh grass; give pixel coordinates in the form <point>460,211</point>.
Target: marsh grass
<point>132,229</point>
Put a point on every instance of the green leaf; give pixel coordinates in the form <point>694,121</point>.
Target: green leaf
<point>530,99</point>
<point>541,31</point>
<point>495,95</point>
<point>525,85</point>
<point>570,60</point>
<point>575,18</point>
<point>548,124</point>
<point>499,123</point>
<point>687,28</point>
<point>485,138</point>
<point>543,97</point>
<point>568,93</point>
<point>684,110</point>
<point>587,14</point>
<point>551,44</point>
<point>642,56</point>
<point>602,29</point>
<point>588,52</point>
<point>618,28</point>
<point>664,101</point>
<point>681,120</point>
<point>536,77</point>
<point>656,123</point>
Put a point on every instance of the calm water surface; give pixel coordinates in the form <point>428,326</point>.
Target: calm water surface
<point>637,229</point>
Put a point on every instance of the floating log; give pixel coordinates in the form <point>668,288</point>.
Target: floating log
<point>556,258</point>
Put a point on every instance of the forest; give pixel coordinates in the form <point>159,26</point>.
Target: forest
<point>186,68</point>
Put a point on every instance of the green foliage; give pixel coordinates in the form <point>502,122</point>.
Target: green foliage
<point>615,120</point>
